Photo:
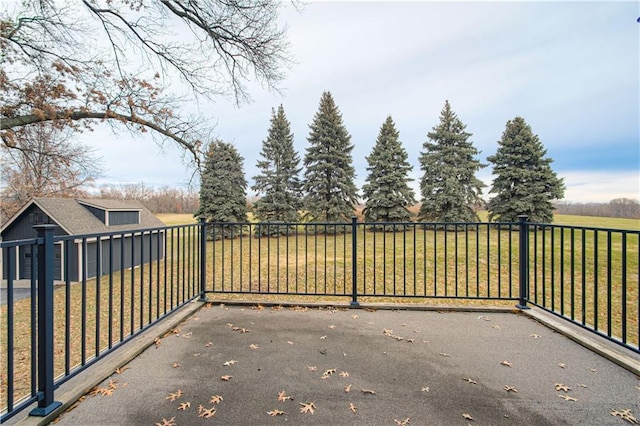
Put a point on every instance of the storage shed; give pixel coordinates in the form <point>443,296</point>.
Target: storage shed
<point>79,257</point>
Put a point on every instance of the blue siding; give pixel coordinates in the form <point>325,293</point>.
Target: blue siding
<point>124,218</point>
<point>99,213</point>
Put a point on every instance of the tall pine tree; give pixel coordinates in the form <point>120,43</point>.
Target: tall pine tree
<point>223,187</point>
<point>329,185</point>
<point>524,182</point>
<point>449,187</point>
<point>386,191</point>
<point>279,180</point>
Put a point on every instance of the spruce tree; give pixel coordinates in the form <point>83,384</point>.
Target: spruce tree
<point>386,191</point>
<point>524,181</point>
<point>329,185</point>
<point>223,187</point>
<point>449,187</point>
<point>279,180</point>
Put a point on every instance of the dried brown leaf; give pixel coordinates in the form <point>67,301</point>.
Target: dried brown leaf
<point>307,407</point>
<point>165,422</point>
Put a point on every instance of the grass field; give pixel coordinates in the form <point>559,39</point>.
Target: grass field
<point>441,265</point>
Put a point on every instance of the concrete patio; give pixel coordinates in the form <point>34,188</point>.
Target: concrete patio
<point>364,367</point>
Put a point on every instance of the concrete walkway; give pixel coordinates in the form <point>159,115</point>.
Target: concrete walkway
<point>228,365</point>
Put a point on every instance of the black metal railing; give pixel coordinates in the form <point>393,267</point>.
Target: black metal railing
<point>100,291</point>
<point>112,286</point>
<point>588,276</point>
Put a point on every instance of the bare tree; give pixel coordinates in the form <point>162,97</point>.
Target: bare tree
<point>75,64</point>
<point>47,163</point>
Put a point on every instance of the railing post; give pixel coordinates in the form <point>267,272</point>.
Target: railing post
<point>203,257</point>
<point>523,232</point>
<point>46,404</point>
<point>354,265</point>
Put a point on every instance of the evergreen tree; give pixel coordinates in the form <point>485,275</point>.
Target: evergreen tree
<point>223,187</point>
<point>331,194</point>
<point>278,179</point>
<point>449,186</point>
<point>524,182</point>
<point>386,190</point>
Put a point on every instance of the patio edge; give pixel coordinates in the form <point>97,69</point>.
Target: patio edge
<point>604,348</point>
<point>70,392</point>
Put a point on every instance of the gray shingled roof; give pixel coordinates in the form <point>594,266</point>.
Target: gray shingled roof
<point>75,219</point>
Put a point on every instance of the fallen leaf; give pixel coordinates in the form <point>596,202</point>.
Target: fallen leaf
<point>184,405</point>
<point>507,363</point>
<point>226,378</point>
<point>332,326</point>
<point>290,342</point>
<point>282,396</point>
<point>106,391</point>
<point>157,341</point>
<point>567,398</point>
<point>274,413</point>
<point>276,308</point>
<point>175,365</point>
<point>369,391</point>
<point>208,413</point>
<point>328,373</point>
<point>582,385</point>
<point>497,327</point>
<point>307,407</point>
<point>352,407</point>
<point>216,399</point>
<point>344,374</point>
<point>469,380</point>
<point>253,346</point>
<point>121,370</point>
<point>425,389</point>
<point>402,422</point>
<point>347,388</point>
<point>187,335</point>
<point>444,354</point>
<point>467,416</point>
<point>354,316</point>
<point>197,354</point>
<point>230,362</point>
<point>165,422</point>
<point>625,415</point>
<point>174,395</point>
<point>536,336</point>
<point>208,344</point>
<point>561,387</point>
<point>176,331</point>
<point>562,365</point>
<point>312,368</point>
<point>593,370</point>
<point>387,332</point>
<point>510,389</point>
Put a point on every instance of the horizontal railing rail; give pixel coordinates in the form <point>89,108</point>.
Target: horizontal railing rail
<point>111,286</point>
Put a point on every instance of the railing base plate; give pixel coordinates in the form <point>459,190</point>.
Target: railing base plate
<point>523,307</point>
<point>45,411</point>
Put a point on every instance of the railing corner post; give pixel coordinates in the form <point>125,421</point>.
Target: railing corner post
<point>203,257</point>
<point>354,265</point>
<point>523,231</point>
<point>45,321</point>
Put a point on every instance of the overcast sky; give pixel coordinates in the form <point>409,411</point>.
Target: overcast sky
<point>571,70</point>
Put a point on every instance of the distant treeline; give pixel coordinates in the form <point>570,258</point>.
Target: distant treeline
<point>620,207</point>
<point>175,200</point>
<point>158,200</point>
